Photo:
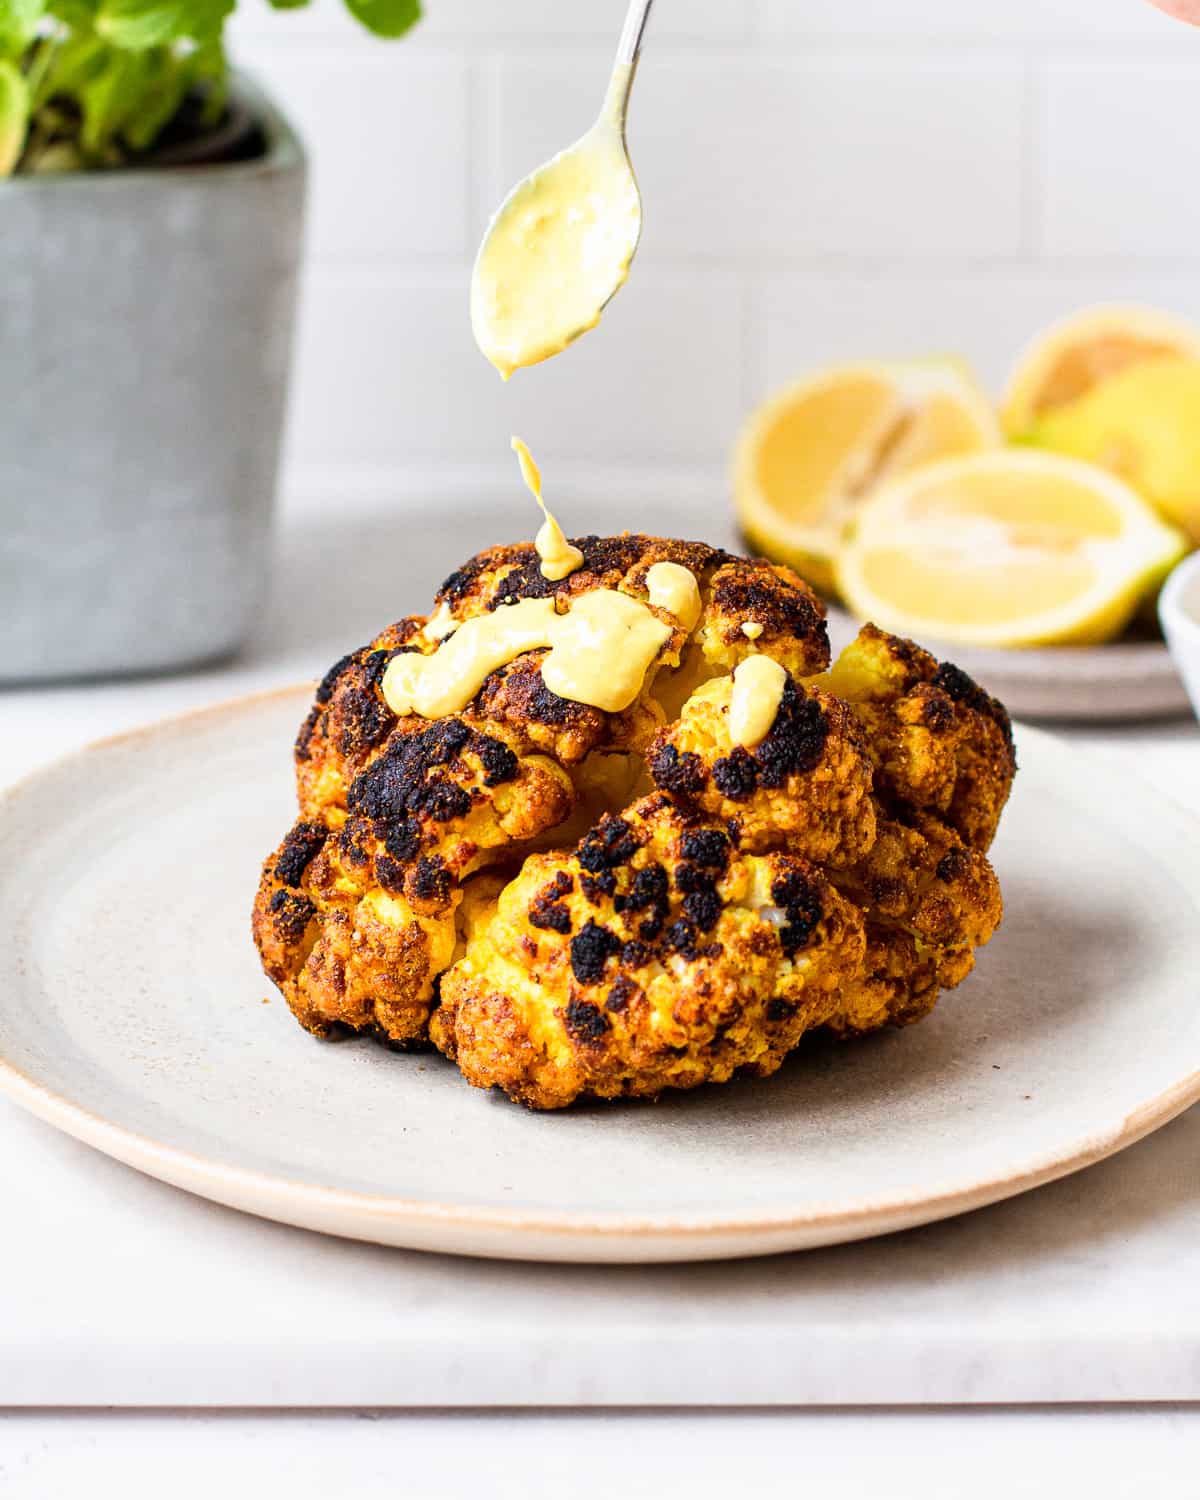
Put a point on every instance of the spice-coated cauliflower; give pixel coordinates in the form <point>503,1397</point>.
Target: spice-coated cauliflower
<point>572,902</point>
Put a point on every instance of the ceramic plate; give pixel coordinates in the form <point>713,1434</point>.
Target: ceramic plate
<point>133,1015</point>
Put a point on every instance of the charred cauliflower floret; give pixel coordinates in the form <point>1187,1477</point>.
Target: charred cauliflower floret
<point>806,787</point>
<point>570,901</point>
<point>922,876</point>
<point>655,955</point>
<point>763,607</point>
<point>896,985</point>
<point>355,924</point>
<point>929,901</point>
<point>938,741</point>
<point>347,724</point>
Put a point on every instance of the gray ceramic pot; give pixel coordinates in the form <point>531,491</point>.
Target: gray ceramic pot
<point>145,336</point>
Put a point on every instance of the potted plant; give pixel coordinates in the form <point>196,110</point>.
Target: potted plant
<point>150,230</point>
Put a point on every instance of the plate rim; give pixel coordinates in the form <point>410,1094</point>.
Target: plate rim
<point>316,1206</point>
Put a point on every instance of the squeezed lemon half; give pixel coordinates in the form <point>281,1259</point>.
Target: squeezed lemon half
<point>809,456</point>
<point>1008,548</point>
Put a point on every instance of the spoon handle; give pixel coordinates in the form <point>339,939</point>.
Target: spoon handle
<point>616,103</point>
<point>631,33</point>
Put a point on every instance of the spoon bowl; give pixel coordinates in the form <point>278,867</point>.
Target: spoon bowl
<point>560,246</point>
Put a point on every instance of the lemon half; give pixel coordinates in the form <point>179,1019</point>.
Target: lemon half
<point>1009,548</point>
<point>1074,355</point>
<point>1144,426</point>
<point>808,457</point>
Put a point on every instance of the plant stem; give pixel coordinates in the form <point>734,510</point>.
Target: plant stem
<point>39,68</point>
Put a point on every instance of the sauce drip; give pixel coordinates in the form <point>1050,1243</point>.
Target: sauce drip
<point>557,554</point>
<point>599,654</point>
<point>674,588</point>
<point>758,684</point>
<point>558,248</point>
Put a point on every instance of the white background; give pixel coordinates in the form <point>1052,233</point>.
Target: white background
<point>822,179</point>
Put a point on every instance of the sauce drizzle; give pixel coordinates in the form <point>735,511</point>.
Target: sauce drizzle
<point>758,684</point>
<point>674,588</point>
<point>559,557</point>
<point>599,653</point>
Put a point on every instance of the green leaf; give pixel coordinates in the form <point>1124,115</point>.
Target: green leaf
<point>71,64</point>
<point>159,102</point>
<point>14,117</point>
<point>210,72</point>
<point>138,25</point>
<point>110,99</point>
<point>19,23</point>
<point>79,15</point>
<point>388,18</point>
<point>288,4</point>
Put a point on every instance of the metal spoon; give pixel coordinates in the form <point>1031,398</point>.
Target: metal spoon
<point>559,247</point>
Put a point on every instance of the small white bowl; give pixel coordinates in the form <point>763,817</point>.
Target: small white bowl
<point>1179,611</point>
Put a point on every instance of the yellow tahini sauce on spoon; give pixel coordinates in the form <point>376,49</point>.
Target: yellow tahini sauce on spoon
<point>559,247</point>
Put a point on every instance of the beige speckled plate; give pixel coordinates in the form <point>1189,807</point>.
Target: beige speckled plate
<point>132,1016</point>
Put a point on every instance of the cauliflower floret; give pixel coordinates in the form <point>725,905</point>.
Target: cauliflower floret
<point>356,923</point>
<point>655,955</point>
<point>806,787</point>
<point>785,618</point>
<point>347,724</point>
<point>937,740</point>
<point>896,985</point>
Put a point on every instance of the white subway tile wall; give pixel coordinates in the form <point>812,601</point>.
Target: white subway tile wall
<point>1077,23</point>
<point>1099,197</point>
<point>743,160</point>
<point>390,139</point>
<point>984,315</point>
<point>822,179</point>
<point>389,374</point>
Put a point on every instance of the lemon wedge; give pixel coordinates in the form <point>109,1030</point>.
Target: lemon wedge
<point>1144,425</point>
<point>1009,548</point>
<point>1073,356</point>
<point>807,458</point>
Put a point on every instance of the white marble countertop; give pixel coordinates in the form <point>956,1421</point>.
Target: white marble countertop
<point>1117,1454</point>
<point>116,1291</point>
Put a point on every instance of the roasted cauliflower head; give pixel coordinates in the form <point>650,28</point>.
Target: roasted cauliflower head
<point>574,902</point>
